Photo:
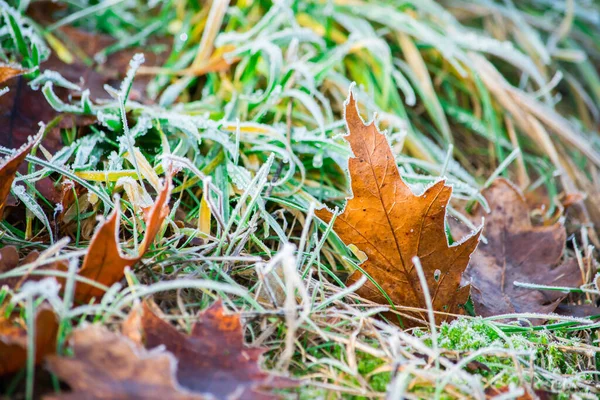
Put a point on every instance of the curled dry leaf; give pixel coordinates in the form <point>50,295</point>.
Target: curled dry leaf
<point>391,225</point>
<point>104,262</point>
<point>109,366</point>
<point>213,359</point>
<point>13,340</point>
<point>517,251</point>
<point>9,167</point>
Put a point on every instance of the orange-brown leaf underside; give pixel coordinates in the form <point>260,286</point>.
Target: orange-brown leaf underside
<point>391,225</point>
<point>13,340</point>
<point>104,262</point>
<point>9,167</point>
<point>7,72</point>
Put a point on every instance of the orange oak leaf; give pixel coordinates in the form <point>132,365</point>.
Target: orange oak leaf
<point>109,366</point>
<point>213,360</point>
<point>9,167</point>
<point>104,261</point>
<point>10,71</point>
<point>391,225</point>
<point>517,251</point>
<point>13,340</point>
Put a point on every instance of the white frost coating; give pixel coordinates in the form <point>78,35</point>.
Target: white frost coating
<point>106,117</point>
<point>135,63</point>
<point>115,162</point>
<point>47,288</point>
<point>54,77</point>
<point>34,207</point>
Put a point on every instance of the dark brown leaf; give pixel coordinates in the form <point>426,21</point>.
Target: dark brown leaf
<point>111,71</point>
<point>109,366</point>
<point>13,340</point>
<point>213,359</point>
<point>20,111</point>
<point>9,259</point>
<point>517,251</point>
<point>578,310</point>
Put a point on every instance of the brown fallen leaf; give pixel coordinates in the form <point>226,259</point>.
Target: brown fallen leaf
<point>83,44</point>
<point>213,359</point>
<point>578,310</point>
<point>22,108</point>
<point>391,225</point>
<point>13,340</point>
<point>104,262</point>
<point>10,71</point>
<point>9,259</point>
<point>109,366</point>
<point>492,393</point>
<point>9,167</point>
<point>517,251</point>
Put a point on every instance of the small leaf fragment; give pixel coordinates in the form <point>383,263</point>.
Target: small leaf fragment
<point>10,71</point>
<point>391,225</point>
<point>13,340</point>
<point>109,366</point>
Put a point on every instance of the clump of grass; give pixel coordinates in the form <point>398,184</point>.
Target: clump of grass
<point>249,105</point>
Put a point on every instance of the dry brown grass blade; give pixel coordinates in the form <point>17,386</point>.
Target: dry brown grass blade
<point>519,104</point>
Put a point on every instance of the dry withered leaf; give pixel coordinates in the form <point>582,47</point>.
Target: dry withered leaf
<point>20,111</point>
<point>13,340</point>
<point>104,262</point>
<point>391,225</point>
<point>213,360</point>
<point>578,310</point>
<point>111,71</point>
<point>9,259</point>
<point>22,107</point>
<point>109,366</point>
<point>9,168</point>
<point>493,393</point>
<point>517,251</point>
<point>10,71</point>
